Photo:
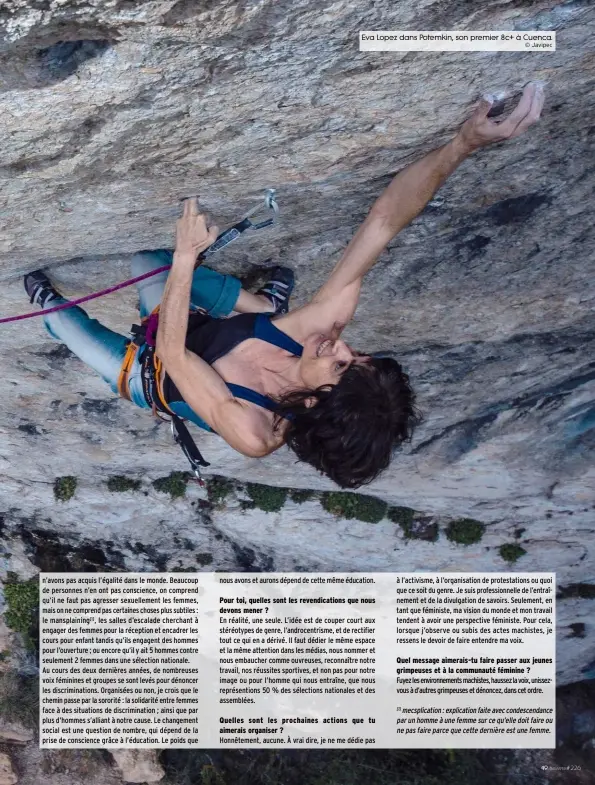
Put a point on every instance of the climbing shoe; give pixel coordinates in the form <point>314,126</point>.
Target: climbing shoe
<point>39,288</point>
<point>279,288</point>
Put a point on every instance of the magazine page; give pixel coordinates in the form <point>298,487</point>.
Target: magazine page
<point>297,482</point>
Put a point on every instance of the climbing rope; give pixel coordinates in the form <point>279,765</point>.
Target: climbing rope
<point>223,239</point>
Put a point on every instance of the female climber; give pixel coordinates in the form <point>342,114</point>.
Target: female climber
<point>266,377</point>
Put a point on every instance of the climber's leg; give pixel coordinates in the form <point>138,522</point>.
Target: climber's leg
<point>97,346</point>
<point>211,291</point>
<point>252,303</point>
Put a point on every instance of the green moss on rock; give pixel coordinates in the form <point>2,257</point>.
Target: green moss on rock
<point>174,484</point>
<point>218,488</point>
<point>118,483</point>
<point>64,487</point>
<point>403,516</point>
<point>465,531</point>
<point>266,497</point>
<point>370,509</point>
<point>300,496</point>
<point>354,506</point>
<point>22,601</point>
<point>510,552</point>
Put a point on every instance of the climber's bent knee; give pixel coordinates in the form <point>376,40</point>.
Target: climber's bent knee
<point>215,293</point>
<point>211,291</point>
<point>145,261</point>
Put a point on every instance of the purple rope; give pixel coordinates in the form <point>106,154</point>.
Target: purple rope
<point>87,297</point>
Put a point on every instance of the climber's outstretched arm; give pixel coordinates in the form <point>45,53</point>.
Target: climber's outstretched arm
<point>401,202</point>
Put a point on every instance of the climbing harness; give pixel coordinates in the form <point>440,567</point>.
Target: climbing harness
<point>223,239</point>
<point>144,338</point>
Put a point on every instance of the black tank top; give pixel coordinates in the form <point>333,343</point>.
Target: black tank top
<point>211,339</point>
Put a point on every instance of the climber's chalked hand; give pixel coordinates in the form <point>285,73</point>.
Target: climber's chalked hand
<point>193,236</point>
<point>480,130</point>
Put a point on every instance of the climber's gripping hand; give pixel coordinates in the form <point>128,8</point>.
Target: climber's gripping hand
<point>192,234</point>
<point>481,130</point>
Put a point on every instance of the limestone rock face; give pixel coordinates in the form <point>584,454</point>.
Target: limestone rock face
<point>112,111</point>
<point>14,734</point>
<point>7,775</point>
<point>138,765</point>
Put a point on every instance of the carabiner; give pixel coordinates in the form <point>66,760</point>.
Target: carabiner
<point>270,203</point>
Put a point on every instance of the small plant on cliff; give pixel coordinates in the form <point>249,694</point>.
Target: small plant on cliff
<point>118,483</point>
<point>465,531</point>
<point>174,484</point>
<point>266,497</point>
<point>510,552</point>
<point>368,509</point>
<point>64,488</point>
<point>22,600</point>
